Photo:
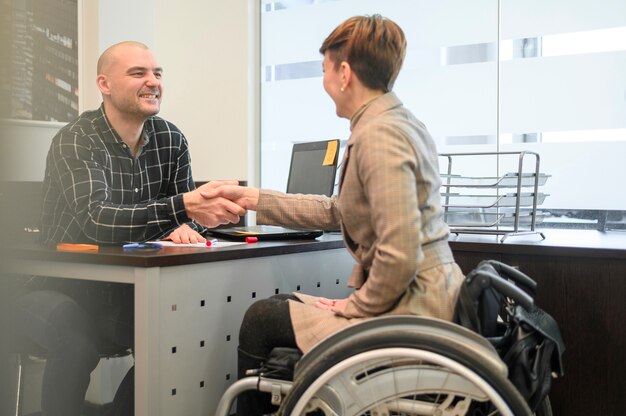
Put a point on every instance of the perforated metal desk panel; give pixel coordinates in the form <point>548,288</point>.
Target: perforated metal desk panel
<point>189,303</point>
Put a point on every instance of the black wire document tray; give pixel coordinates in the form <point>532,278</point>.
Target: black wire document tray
<point>504,205</point>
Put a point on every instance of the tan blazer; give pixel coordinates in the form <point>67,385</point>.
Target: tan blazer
<point>390,214</point>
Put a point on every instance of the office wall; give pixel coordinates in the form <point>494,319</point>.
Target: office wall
<point>205,49</point>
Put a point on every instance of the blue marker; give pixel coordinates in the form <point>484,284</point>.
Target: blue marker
<point>143,246</point>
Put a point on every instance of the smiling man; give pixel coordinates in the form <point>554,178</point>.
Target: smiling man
<point>130,81</point>
<point>121,174</point>
<point>114,175</point>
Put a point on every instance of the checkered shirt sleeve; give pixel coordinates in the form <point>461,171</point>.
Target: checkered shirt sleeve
<point>96,191</point>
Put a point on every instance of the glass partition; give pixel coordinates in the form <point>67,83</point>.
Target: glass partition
<point>448,79</point>
<point>563,95</point>
<point>484,76</point>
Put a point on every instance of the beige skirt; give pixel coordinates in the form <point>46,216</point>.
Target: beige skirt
<point>433,292</point>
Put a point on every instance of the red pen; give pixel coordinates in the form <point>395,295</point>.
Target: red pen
<point>210,243</point>
<point>251,239</point>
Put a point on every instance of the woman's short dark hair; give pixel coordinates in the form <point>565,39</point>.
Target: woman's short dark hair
<point>374,46</point>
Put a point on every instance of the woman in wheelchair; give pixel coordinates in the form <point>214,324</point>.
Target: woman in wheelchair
<point>388,208</point>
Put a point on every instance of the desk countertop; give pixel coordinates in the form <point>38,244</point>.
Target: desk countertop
<point>580,243</point>
<point>174,256</point>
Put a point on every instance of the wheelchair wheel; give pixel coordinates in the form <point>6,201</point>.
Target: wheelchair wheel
<point>403,366</point>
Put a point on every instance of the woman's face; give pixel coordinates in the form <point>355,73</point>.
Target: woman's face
<point>332,84</point>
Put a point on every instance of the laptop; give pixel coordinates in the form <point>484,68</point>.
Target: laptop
<point>312,171</point>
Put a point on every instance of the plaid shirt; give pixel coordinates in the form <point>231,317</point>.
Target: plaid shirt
<point>95,191</point>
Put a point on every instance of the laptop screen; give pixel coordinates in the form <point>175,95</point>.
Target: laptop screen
<point>313,167</point>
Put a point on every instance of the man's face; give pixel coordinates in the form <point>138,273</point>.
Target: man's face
<point>134,80</point>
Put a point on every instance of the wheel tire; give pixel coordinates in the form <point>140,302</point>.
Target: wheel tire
<point>388,337</point>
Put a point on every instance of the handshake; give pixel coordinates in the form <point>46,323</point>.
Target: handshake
<point>220,202</point>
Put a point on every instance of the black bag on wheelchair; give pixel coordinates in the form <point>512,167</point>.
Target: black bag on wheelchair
<point>496,301</point>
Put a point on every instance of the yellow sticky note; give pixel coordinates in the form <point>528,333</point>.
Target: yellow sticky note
<point>331,151</point>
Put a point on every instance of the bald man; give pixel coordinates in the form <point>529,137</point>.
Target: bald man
<point>120,174</point>
<point>114,175</point>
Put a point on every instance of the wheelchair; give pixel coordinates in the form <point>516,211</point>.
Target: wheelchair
<point>393,365</point>
<point>396,365</point>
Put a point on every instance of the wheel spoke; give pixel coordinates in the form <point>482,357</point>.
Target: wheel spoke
<point>399,384</point>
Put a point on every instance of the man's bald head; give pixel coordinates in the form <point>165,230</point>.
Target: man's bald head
<point>111,54</point>
<point>129,78</point>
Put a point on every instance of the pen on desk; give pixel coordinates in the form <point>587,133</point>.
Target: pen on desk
<point>132,245</point>
<point>212,242</point>
<point>142,245</point>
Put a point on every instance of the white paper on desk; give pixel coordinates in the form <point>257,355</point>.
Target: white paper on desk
<point>167,243</point>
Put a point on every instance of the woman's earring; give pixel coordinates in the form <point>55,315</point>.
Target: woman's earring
<point>341,89</point>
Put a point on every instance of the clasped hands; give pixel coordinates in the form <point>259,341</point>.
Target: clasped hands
<point>220,202</point>
<point>223,202</point>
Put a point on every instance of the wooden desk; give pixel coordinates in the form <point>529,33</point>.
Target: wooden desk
<point>189,303</point>
<point>582,284</point>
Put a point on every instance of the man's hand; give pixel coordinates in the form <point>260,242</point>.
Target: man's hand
<point>207,207</point>
<point>243,196</point>
<point>185,235</point>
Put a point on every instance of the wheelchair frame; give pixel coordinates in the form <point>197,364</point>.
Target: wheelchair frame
<point>372,367</point>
